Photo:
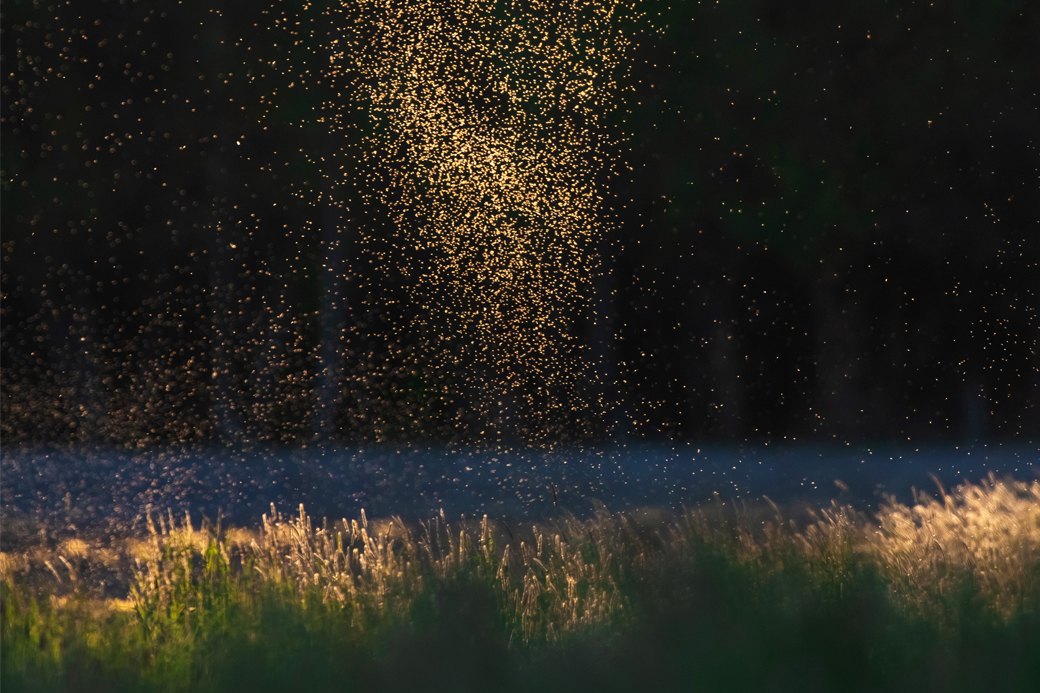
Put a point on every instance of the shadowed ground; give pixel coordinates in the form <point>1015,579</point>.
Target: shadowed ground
<point>108,490</point>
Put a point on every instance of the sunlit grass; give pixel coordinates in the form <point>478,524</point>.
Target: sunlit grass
<point>913,594</point>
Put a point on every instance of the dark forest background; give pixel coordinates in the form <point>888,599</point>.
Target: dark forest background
<point>830,230</point>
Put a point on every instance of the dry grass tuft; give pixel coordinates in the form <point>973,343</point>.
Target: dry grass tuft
<point>553,580</point>
<point>988,534</point>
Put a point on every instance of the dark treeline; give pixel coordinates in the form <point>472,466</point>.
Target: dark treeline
<point>830,230</point>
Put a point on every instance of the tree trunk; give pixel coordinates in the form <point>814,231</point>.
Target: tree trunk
<point>838,363</point>
<point>607,394</point>
<point>724,362</point>
<point>332,320</point>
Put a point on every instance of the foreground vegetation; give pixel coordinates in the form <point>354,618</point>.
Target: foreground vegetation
<point>942,594</point>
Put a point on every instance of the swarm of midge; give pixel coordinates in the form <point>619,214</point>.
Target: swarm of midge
<point>487,140</point>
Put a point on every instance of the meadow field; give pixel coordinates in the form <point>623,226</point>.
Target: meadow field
<point>939,594</point>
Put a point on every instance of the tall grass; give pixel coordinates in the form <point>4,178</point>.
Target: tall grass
<point>941,594</point>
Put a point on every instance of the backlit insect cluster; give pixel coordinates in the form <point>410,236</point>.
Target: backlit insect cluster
<point>488,144</point>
